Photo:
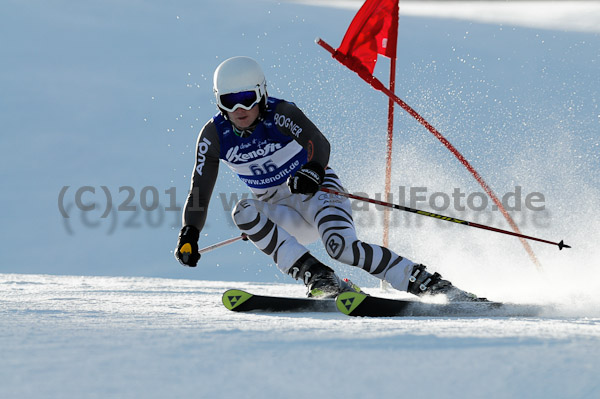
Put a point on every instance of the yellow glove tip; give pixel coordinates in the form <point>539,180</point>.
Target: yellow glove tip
<point>186,248</point>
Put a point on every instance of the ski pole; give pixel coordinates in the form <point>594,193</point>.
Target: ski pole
<point>560,244</point>
<point>223,243</point>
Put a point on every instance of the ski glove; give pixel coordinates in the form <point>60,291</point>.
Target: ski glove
<point>308,179</point>
<point>187,246</point>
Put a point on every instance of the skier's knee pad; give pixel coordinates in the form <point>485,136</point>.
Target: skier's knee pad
<point>339,246</point>
<point>244,213</point>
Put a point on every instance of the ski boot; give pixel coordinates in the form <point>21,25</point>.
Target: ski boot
<point>423,283</point>
<point>320,280</point>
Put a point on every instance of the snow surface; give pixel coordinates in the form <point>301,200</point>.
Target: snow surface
<point>112,94</point>
<point>99,337</point>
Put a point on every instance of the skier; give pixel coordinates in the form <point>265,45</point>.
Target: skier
<point>283,158</point>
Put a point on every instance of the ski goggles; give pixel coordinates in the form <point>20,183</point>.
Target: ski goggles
<point>243,99</point>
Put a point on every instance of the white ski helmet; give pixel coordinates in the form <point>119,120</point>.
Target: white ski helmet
<point>239,82</point>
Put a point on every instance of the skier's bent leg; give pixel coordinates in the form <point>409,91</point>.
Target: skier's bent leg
<point>333,219</point>
<point>401,273</point>
<point>267,236</point>
<point>344,246</point>
<point>291,257</point>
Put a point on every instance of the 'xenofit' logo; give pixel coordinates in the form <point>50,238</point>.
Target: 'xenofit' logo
<point>202,150</point>
<point>233,155</point>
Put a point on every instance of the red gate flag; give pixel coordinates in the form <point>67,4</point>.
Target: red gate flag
<point>374,30</point>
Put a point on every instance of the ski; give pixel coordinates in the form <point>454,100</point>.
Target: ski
<point>357,304</point>
<point>242,301</point>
